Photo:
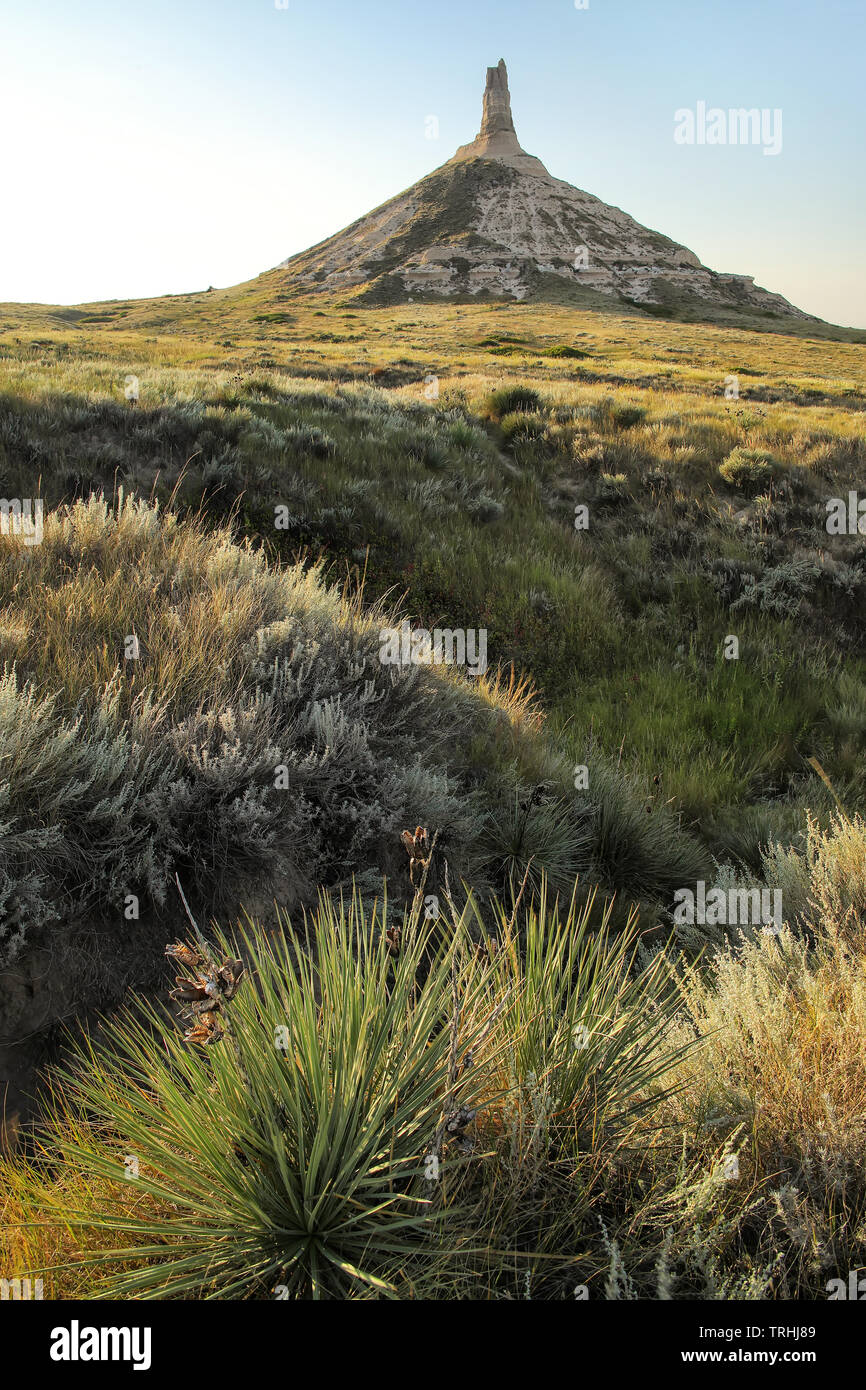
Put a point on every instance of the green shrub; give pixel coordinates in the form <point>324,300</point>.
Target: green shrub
<point>509,399</point>
<point>538,837</point>
<point>749,470</point>
<point>565,350</point>
<point>612,489</point>
<point>609,415</point>
<point>780,590</point>
<point>522,428</point>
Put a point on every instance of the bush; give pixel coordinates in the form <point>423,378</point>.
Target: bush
<point>612,489</point>
<point>309,439</point>
<point>610,416</point>
<point>510,399</point>
<point>565,350</point>
<point>781,1077</point>
<point>781,590</point>
<point>749,470</point>
<point>522,428</point>
<point>823,886</point>
<point>536,837</point>
<point>107,787</point>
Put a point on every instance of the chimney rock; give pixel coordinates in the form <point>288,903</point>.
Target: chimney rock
<point>497,103</point>
<point>497,138</point>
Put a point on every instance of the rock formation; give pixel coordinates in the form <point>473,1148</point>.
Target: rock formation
<point>497,138</point>
<point>492,222</point>
<point>496,114</point>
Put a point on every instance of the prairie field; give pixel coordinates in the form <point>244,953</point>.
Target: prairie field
<point>466,1044</point>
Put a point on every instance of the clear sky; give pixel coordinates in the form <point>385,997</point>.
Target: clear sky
<point>169,145</point>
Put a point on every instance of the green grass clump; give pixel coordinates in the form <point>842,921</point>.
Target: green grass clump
<point>629,829</point>
<point>611,415</point>
<point>508,400</point>
<point>531,832</point>
<point>748,469</point>
<point>612,489</point>
<point>522,427</point>
<point>565,350</point>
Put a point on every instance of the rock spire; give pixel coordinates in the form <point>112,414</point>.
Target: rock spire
<point>497,138</point>
<point>497,117</point>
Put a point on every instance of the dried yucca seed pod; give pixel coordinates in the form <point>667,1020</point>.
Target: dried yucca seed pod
<point>184,954</point>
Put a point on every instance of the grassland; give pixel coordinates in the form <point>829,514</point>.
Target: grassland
<point>621,625</point>
<point>289,475</point>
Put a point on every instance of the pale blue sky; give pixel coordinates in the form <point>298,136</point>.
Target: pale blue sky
<point>166,146</point>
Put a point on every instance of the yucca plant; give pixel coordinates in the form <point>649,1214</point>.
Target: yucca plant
<point>584,1058</point>
<point>539,839</point>
<point>583,1021</point>
<point>290,1156</point>
<point>390,1110</point>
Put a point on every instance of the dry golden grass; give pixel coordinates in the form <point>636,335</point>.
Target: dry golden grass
<point>37,1238</point>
